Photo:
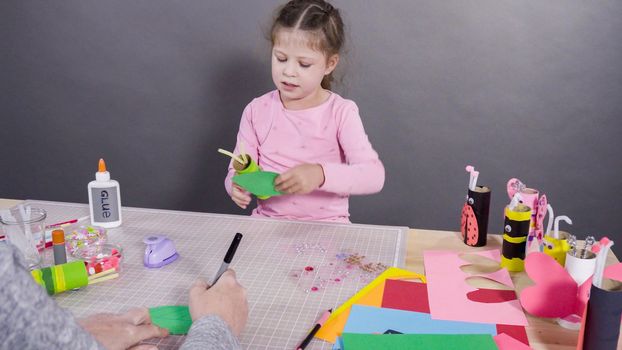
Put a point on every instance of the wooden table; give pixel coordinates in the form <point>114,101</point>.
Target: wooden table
<point>543,333</point>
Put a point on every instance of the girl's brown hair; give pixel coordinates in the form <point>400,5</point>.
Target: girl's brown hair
<point>318,18</point>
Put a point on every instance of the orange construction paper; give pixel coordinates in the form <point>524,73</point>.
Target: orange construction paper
<point>370,295</point>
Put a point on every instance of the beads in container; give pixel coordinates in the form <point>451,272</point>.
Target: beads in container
<point>85,236</point>
<point>105,257</point>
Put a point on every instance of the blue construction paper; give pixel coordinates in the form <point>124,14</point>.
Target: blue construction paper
<point>377,320</point>
<point>338,344</point>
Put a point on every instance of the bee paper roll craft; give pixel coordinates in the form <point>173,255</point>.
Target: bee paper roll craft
<point>515,231</point>
<point>475,212</point>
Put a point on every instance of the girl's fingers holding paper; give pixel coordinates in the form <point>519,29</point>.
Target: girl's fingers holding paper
<point>285,185</point>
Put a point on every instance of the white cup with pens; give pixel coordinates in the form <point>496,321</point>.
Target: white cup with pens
<point>24,227</point>
<point>580,264</point>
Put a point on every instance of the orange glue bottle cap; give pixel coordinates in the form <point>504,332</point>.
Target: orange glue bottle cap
<point>58,237</point>
<point>102,165</point>
<point>102,174</point>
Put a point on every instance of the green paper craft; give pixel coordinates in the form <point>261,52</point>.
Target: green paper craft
<point>259,183</point>
<point>175,318</point>
<point>418,341</point>
<point>59,278</point>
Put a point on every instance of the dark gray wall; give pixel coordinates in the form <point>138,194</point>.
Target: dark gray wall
<point>528,89</point>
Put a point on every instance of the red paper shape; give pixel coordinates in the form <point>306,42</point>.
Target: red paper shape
<point>491,295</point>
<point>517,332</point>
<point>405,295</point>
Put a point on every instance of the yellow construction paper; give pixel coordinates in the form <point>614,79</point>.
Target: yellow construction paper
<point>370,295</point>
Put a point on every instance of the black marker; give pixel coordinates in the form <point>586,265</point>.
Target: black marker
<point>314,330</point>
<point>230,253</point>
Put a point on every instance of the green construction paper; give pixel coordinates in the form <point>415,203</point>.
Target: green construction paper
<point>75,274</point>
<point>259,183</point>
<point>175,318</point>
<point>418,341</point>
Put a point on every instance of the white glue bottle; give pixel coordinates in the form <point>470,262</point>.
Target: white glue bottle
<point>104,199</point>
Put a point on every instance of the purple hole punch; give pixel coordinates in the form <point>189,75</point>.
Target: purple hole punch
<point>160,251</point>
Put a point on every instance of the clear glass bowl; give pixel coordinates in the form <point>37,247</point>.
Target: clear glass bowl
<point>101,257</point>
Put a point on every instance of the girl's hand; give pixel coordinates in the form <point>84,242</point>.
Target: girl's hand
<point>300,179</point>
<point>240,196</point>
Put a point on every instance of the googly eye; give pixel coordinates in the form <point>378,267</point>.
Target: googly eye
<point>508,228</point>
<point>470,201</point>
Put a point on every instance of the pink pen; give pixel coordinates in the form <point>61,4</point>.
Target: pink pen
<point>65,223</point>
<point>314,330</point>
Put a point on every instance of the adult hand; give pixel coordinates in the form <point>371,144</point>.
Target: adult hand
<point>240,196</point>
<point>123,331</point>
<point>300,179</point>
<point>226,299</point>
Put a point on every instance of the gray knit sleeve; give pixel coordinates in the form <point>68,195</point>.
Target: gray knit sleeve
<point>29,318</point>
<point>210,332</point>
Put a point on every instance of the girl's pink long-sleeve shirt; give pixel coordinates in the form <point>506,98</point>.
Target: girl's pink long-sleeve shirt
<point>330,134</point>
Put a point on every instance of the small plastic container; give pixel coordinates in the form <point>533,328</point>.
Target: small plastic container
<point>101,258</point>
<point>85,236</point>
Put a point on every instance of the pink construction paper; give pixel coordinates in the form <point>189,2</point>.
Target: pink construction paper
<point>448,289</point>
<point>554,293</point>
<point>505,342</point>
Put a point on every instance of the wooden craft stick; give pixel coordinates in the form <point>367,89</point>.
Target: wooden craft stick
<point>105,278</point>
<point>243,152</point>
<point>102,274</point>
<point>227,153</point>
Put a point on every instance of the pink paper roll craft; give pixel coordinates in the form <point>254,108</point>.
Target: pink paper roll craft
<point>475,212</point>
<point>530,197</point>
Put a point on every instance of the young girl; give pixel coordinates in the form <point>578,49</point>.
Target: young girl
<point>308,134</point>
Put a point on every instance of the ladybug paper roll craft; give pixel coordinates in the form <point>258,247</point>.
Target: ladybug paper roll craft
<point>474,222</point>
<point>474,218</point>
<point>515,231</point>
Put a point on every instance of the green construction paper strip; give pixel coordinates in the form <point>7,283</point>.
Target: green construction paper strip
<point>48,282</point>
<point>259,183</point>
<point>175,318</point>
<point>75,273</point>
<point>418,341</point>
